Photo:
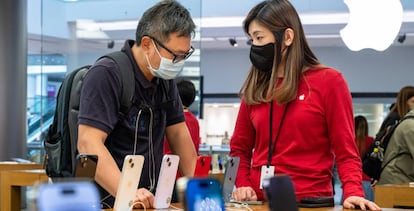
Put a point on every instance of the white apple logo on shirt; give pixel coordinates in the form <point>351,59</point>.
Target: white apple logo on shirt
<point>372,24</point>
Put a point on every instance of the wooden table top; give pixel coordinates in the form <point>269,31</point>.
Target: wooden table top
<point>266,208</point>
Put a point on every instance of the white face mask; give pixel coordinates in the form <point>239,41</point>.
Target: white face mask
<point>168,69</point>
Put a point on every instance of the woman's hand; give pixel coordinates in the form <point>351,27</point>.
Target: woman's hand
<point>244,194</point>
<point>353,201</point>
<point>145,198</point>
<point>373,183</point>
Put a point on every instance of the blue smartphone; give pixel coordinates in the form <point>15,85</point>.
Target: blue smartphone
<point>203,194</point>
<point>68,196</point>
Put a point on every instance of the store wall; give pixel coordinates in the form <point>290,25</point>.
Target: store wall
<point>365,71</point>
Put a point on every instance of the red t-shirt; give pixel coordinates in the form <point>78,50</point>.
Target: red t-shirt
<point>194,128</point>
<point>317,131</point>
<point>368,141</point>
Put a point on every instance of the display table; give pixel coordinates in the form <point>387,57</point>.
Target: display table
<point>4,166</point>
<point>265,208</point>
<point>394,195</point>
<point>11,182</point>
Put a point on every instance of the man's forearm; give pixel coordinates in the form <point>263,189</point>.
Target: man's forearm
<point>188,163</point>
<point>107,173</point>
<point>91,140</point>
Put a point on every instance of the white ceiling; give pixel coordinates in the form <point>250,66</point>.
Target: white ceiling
<point>323,34</point>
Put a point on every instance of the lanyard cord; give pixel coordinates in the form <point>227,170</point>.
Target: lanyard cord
<point>271,145</point>
<point>151,156</point>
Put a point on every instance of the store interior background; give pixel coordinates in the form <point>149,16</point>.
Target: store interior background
<point>63,35</point>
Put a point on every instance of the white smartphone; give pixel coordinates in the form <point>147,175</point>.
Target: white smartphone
<point>166,181</point>
<point>128,183</point>
<point>68,196</point>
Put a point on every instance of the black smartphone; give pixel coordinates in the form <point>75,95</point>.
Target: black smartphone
<point>86,166</point>
<point>280,193</point>
<point>203,194</point>
<point>68,196</point>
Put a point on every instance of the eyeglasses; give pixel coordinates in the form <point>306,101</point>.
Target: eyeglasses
<point>177,58</point>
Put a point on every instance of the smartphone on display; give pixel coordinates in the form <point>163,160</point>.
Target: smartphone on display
<point>203,194</point>
<point>86,165</point>
<point>68,196</point>
<point>202,166</point>
<point>232,166</point>
<point>128,183</point>
<point>166,181</point>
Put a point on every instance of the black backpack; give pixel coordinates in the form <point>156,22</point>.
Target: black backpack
<point>374,157</point>
<point>60,142</point>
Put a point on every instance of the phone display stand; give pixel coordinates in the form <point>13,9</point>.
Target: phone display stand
<point>280,193</point>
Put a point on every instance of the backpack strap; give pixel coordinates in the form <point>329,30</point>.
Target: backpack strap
<point>128,80</point>
<point>401,153</point>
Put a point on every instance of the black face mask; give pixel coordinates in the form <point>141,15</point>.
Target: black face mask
<point>262,56</point>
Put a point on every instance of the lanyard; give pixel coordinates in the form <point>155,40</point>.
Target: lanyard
<point>271,145</point>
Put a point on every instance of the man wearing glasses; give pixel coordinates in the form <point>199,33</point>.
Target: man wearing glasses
<point>163,43</point>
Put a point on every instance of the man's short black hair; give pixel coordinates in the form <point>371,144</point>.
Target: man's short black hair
<point>164,18</point>
<point>187,92</point>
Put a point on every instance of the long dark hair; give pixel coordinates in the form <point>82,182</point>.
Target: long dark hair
<point>361,132</point>
<point>401,105</point>
<point>261,87</point>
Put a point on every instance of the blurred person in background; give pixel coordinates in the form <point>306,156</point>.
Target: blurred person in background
<point>363,142</point>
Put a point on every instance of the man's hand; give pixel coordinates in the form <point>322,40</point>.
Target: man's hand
<point>143,198</point>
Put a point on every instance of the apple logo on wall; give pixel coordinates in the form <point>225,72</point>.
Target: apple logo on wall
<point>372,24</point>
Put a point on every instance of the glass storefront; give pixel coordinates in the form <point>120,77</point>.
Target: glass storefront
<point>64,35</point>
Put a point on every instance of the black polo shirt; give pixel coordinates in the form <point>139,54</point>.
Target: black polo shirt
<point>100,102</point>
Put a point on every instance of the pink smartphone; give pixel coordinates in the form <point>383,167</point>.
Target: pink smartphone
<point>166,181</point>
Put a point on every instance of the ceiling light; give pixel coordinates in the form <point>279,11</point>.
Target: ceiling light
<point>233,42</point>
<point>401,38</point>
<point>111,44</point>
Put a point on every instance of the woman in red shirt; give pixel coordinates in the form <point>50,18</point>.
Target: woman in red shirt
<point>295,116</point>
<point>363,142</point>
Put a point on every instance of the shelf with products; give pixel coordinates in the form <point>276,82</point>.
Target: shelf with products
<point>219,155</point>
<point>214,149</point>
